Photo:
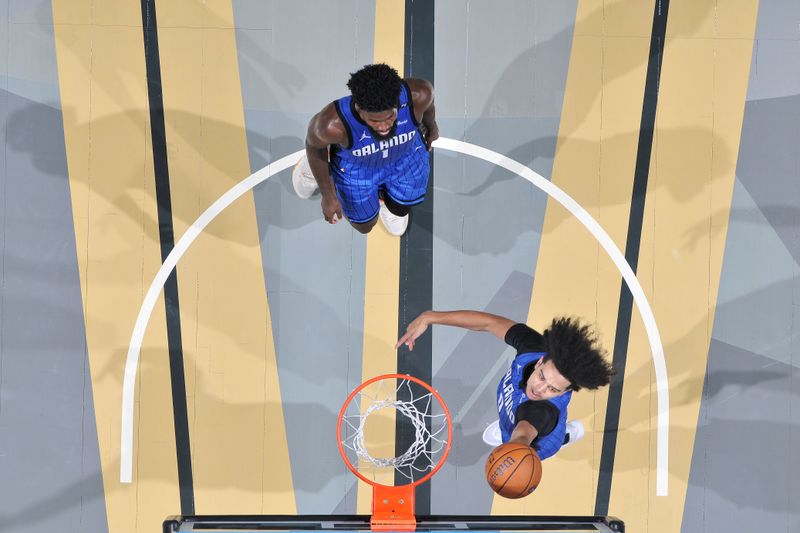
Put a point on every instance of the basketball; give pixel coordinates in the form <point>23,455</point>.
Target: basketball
<point>513,470</point>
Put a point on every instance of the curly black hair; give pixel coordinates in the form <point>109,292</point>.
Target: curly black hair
<point>375,87</point>
<point>575,351</point>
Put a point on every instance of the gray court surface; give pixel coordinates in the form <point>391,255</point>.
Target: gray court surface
<point>314,272</point>
<point>744,474</point>
<point>49,458</point>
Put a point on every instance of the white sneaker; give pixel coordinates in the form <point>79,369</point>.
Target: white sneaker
<point>303,180</point>
<point>575,431</point>
<point>492,435</point>
<point>394,224</point>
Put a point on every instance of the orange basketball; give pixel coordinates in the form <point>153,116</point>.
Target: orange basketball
<point>513,470</point>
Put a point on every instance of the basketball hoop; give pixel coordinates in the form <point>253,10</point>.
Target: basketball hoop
<point>384,398</point>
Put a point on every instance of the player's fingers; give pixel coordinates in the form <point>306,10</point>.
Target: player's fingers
<point>400,341</point>
<point>403,339</point>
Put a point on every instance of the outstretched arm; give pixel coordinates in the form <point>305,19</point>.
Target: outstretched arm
<point>473,320</point>
<point>524,433</point>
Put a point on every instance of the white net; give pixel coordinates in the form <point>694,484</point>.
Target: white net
<point>381,400</point>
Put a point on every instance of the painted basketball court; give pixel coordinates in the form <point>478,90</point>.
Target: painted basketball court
<point>272,316</point>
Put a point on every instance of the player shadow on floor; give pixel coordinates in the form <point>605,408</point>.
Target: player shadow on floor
<point>765,173</point>
<point>36,132</point>
<point>504,240</point>
<point>783,220</point>
<point>715,471</point>
<point>614,23</point>
<point>725,381</point>
<point>538,153</point>
<point>48,294</point>
<point>290,328</point>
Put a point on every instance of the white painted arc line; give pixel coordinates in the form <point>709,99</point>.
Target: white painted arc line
<point>128,400</point>
<point>134,349</point>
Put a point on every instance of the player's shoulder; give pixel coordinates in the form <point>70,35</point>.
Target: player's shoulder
<point>521,329</point>
<point>421,90</point>
<point>327,126</point>
<point>524,339</point>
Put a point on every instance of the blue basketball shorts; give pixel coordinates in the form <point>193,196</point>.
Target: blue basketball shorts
<point>405,183</point>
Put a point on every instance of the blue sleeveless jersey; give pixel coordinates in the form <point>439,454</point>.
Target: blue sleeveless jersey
<point>510,396</point>
<point>400,164</point>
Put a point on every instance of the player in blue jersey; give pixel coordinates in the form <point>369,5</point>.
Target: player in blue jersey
<point>533,396</point>
<point>368,153</point>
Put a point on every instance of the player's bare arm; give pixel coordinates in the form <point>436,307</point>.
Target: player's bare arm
<point>424,108</point>
<point>325,129</point>
<point>472,320</point>
<point>524,433</point>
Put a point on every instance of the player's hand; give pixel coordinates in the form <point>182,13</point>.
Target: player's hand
<point>417,327</point>
<point>430,136</point>
<point>331,209</point>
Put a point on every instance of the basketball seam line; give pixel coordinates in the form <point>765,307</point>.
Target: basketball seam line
<point>509,452</point>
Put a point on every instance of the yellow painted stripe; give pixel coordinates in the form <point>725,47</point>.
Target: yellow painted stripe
<point>390,16</point>
<point>594,163</point>
<point>701,106</point>
<point>381,297</point>
<point>240,453</point>
<point>101,72</point>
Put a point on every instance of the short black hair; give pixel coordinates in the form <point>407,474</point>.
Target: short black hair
<point>576,353</point>
<point>375,87</point>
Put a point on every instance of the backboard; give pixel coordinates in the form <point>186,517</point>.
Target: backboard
<point>352,523</point>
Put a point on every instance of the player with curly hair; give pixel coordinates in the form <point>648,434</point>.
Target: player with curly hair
<point>367,153</point>
<point>532,397</point>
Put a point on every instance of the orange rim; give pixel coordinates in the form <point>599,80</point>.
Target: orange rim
<point>419,382</point>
